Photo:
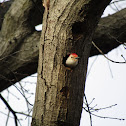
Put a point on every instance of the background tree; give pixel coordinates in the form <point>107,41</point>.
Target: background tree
<point>18,47</point>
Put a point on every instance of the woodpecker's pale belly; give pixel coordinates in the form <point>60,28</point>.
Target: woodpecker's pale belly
<point>71,63</point>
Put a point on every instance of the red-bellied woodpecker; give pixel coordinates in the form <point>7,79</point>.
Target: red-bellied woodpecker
<point>72,60</point>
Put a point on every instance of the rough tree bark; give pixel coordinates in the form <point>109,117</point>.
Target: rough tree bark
<point>18,38</point>
<point>21,58</point>
<point>69,27</point>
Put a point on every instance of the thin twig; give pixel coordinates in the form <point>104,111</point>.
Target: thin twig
<point>23,114</point>
<point>94,110</point>
<point>106,117</point>
<point>91,66</point>
<point>13,95</point>
<point>123,58</point>
<point>102,116</point>
<point>103,108</point>
<point>26,99</point>
<point>23,95</point>
<point>104,54</point>
<point>13,54</point>
<point>6,114</point>
<point>91,101</point>
<point>110,68</point>
<point>7,118</point>
<point>117,1</point>
<point>88,109</point>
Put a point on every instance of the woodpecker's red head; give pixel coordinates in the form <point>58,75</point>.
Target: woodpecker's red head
<point>74,54</point>
<point>72,60</point>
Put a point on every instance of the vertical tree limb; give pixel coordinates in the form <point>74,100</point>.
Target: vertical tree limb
<point>70,29</point>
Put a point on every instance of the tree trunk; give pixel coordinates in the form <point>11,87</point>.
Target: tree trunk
<point>67,27</point>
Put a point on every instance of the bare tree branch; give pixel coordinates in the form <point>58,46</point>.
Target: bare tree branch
<point>10,109</point>
<point>88,109</point>
<point>104,54</point>
<point>110,33</point>
<point>91,111</point>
